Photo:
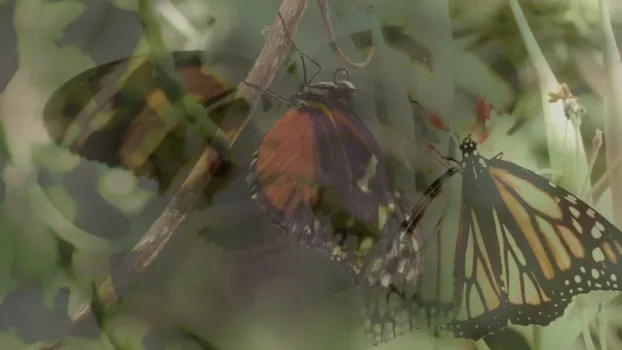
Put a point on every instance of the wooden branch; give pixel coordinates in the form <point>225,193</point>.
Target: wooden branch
<point>261,75</point>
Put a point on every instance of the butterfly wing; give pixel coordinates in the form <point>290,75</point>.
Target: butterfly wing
<point>111,113</point>
<point>553,245</point>
<point>406,303</point>
<point>320,175</point>
<point>386,313</point>
<point>125,113</point>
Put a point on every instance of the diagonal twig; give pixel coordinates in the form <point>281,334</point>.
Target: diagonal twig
<point>330,35</point>
<point>146,250</point>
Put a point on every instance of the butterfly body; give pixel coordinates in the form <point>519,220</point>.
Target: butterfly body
<point>519,249</point>
<point>335,94</point>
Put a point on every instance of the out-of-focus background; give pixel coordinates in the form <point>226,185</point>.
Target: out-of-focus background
<point>212,287</point>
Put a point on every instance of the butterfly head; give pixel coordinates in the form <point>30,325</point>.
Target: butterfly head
<point>340,89</point>
<point>336,89</point>
<point>468,147</point>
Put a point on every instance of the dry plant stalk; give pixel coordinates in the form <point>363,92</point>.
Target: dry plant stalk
<point>613,109</point>
<point>568,157</point>
<point>146,250</point>
<point>330,34</point>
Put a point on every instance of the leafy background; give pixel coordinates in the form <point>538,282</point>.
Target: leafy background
<point>211,287</point>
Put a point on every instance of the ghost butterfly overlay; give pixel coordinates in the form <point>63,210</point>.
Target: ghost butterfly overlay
<point>128,115</point>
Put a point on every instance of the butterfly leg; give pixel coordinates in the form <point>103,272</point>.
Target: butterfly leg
<point>451,160</point>
<point>301,54</point>
<point>499,155</point>
<point>442,157</point>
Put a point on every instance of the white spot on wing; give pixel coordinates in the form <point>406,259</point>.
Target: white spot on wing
<point>574,212</point>
<point>577,226</point>
<point>600,226</point>
<point>570,198</point>
<point>597,255</point>
<point>596,233</point>
<point>595,273</point>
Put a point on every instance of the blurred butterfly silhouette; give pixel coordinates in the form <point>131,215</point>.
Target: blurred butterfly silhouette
<point>129,113</point>
<point>502,244</point>
<point>132,114</point>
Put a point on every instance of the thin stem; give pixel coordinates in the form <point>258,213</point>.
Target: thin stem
<point>587,336</point>
<point>601,184</point>
<point>176,18</point>
<point>537,337</point>
<point>330,35</point>
<point>613,110</point>
<point>601,323</point>
<point>597,143</point>
<point>568,159</point>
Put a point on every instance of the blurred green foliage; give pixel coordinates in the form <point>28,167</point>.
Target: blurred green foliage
<point>196,295</point>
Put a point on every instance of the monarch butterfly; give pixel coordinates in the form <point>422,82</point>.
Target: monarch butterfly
<point>119,115</point>
<point>519,249</point>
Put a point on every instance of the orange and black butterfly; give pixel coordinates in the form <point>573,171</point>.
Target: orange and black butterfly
<point>501,244</point>
<point>321,175</point>
<point>129,114</point>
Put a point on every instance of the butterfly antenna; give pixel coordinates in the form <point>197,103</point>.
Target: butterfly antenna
<point>456,137</point>
<point>436,152</point>
<point>269,92</point>
<point>301,54</point>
